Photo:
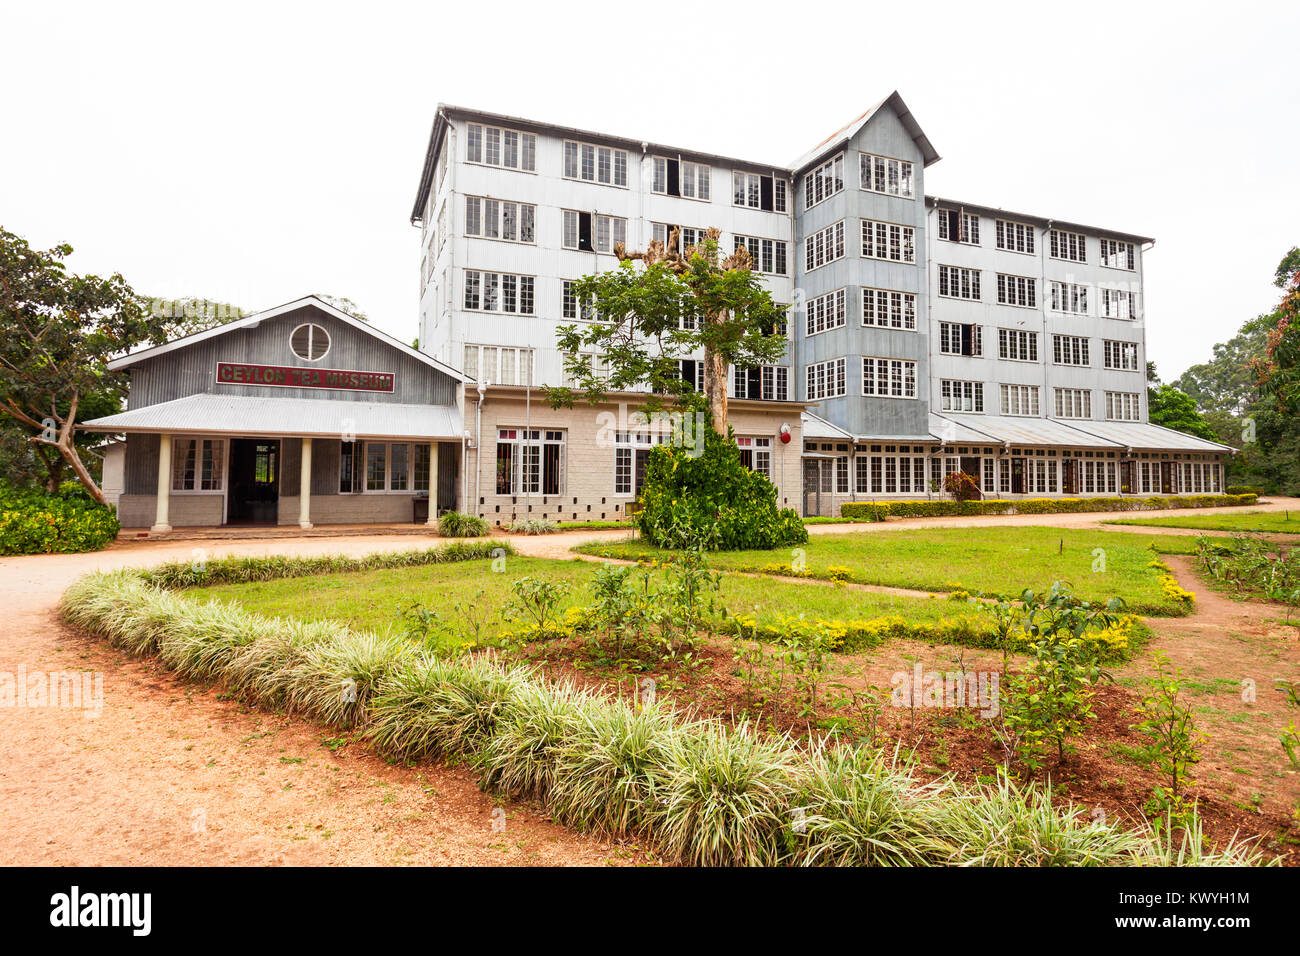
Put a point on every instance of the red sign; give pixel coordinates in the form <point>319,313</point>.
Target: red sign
<point>288,376</point>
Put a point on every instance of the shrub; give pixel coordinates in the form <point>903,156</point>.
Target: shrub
<point>711,499</point>
<point>961,486</point>
<point>32,522</point>
<point>531,526</point>
<point>453,524</point>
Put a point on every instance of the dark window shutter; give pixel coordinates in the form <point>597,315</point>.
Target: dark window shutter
<point>584,231</point>
<point>674,178</point>
<point>765,192</point>
<point>754,386</point>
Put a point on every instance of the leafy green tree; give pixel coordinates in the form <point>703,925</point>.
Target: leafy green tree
<point>644,320</point>
<point>1280,371</point>
<point>57,332</point>
<point>1173,408</point>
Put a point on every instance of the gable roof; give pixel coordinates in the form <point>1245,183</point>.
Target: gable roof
<point>841,136</point>
<point>252,321</point>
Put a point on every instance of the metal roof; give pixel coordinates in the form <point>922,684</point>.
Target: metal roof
<point>1018,430</point>
<point>817,427</point>
<point>1147,435</point>
<point>841,136</point>
<point>246,415</point>
<point>1043,221</point>
<point>252,321</point>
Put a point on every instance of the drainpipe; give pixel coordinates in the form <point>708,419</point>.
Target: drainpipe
<point>478,441</point>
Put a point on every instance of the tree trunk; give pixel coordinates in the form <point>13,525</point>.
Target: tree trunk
<point>715,389</point>
<point>54,465</point>
<point>63,443</point>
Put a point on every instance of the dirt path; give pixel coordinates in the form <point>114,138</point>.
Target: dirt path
<point>1221,648</point>
<point>170,773</point>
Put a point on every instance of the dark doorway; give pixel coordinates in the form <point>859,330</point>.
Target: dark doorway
<point>1070,476</point>
<point>1126,477</point>
<point>812,487</point>
<point>254,481</point>
<point>1017,476</point>
<point>971,466</point>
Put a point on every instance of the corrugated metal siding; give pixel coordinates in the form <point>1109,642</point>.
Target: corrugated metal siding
<point>141,465</point>
<point>192,370</point>
<point>291,467</point>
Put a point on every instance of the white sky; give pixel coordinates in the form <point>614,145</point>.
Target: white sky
<point>258,152</point>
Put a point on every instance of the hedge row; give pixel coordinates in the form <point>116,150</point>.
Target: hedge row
<point>880,510</point>
<point>698,791</point>
<point>37,523</point>
<point>202,572</point>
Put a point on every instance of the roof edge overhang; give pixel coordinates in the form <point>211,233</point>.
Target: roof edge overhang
<point>840,138</point>
<point>1044,222</point>
<point>252,321</point>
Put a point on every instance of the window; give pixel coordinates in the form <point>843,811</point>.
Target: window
<point>498,219</point>
<point>880,174</point>
<point>960,338</point>
<point>827,311</point>
<point>380,466</point>
<point>1073,403</point>
<point>588,232</point>
<point>1015,236</point>
<point>895,472</point>
<point>671,177</point>
<point>958,283</point>
<point>1017,290</point>
<point>888,310</point>
<point>595,164</point>
<point>823,246</point>
<point>697,181</point>
<point>498,292</point>
<point>598,364</point>
<point>1123,406</point>
<point>1122,356</point>
<point>421,467</point>
<point>1070,350</point>
<point>1118,304</point>
<point>961,396</point>
<point>888,240</point>
<point>755,191</point>
<point>1117,255</point>
<point>1017,346</point>
<point>508,148</point>
<point>1069,297</point>
<point>499,365</point>
<point>958,226</point>
<point>756,454</point>
<point>823,182</point>
<point>631,452</point>
<point>530,462</point>
<point>888,378</point>
<point>376,466</point>
<point>767,255</point>
<point>825,379</point>
<point>691,371</point>
<point>769,383</point>
<point>1019,399</point>
<point>569,303</point>
<point>198,464</point>
<point>1067,245</point>
<point>309,342</point>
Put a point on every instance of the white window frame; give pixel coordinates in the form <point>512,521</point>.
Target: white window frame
<point>899,377</point>
<point>827,379</point>
<point>898,312</point>
<point>528,445</point>
<point>760,450</point>
<point>961,395</point>
<point>477,282</point>
<point>1018,291</point>
<point>824,246</point>
<point>1119,249</point>
<point>1071,350</point>
<point>1067,246</point>
<point>764,252</point>
<point>965,282</point>
<point>1017,345</point>
<point>1012,236</point>
<point>826,312</point>
<point>970,226</point>
<point>208,450</point>
<point>1019,400</point>
<point>478,209</point>
<point>1119,304</point>
<point>1128,405</point>
<point>1070,298</point>
<point>890,241</point>
<point>1120,356</point>
<point>519,357</point>
<point>886,175</point>
<point>950,339</point>
<point>825,181</point>
<point>575,155</point>
<point>1073,402</point>
<point>525,148</point>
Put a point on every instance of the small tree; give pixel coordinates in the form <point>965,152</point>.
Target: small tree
<point>1167,722</point>
<point>57,332</point>
<point>643,321</point>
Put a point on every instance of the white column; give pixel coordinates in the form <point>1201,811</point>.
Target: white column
<point>433,485</point>
<point>164,483</point>
<point>304,486</point>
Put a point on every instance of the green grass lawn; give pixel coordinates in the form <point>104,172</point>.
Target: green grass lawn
<point>370,600</point>
<point>1002,560</point>
<point>1269,522</point>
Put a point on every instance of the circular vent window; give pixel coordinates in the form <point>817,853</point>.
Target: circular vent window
<point>309,342</point>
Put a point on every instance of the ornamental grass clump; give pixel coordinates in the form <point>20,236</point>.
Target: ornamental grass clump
<point>333,681</point>
<point>521,755</point>
<point>609,773</point>
<point>727,797</point>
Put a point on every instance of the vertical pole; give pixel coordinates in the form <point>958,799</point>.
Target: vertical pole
<point>432,521</point>
<point>304,486</point>
<point>164,483</point>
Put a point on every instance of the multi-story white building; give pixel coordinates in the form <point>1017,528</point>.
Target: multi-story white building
<point>926,335</point>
